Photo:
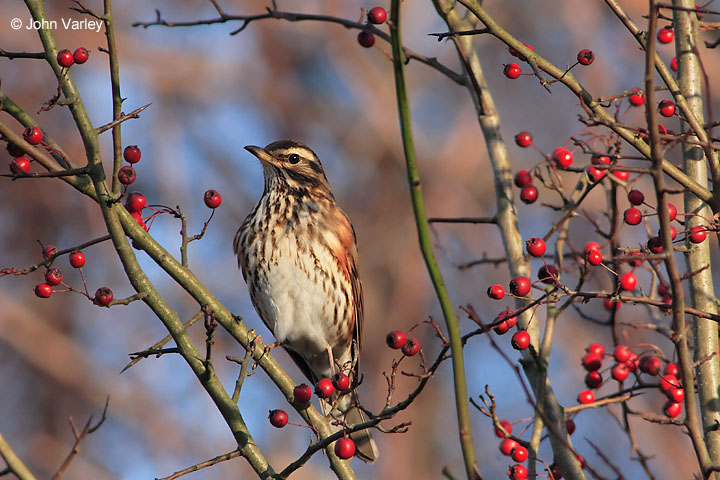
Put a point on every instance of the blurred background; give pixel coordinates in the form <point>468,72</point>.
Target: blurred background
<point>212,94</point>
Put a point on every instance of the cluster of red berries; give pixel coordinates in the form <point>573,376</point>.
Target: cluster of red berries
<point>528,191</point>
<point>666,108</point>
<point>376,16</point>
<point>54,277</point>
<point>513,70</point>
<point>20,164</point>
<point>627,362</point>
<point>65,58</point>
<point>397,339</point>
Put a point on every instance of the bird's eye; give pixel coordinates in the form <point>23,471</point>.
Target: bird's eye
<point>294,158</point>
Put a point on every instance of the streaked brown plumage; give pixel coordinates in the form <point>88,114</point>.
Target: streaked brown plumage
<point>298,255</point>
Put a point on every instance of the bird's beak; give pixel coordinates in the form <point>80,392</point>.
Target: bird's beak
<point>261,154</point>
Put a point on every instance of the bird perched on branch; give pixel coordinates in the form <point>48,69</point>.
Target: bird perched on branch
<point>298,255</point>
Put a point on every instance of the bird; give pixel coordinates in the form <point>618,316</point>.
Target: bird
<point>297,251</point>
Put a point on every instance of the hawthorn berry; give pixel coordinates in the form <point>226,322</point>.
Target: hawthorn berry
<point>596,348</point>
<point>611,304</point>
<point>366,38</point>
<point>43,290</point>
<point>507,445</point>
<point>620,372</point>
<point>135,202</point>
<point>515,53</point>
<point>673,232</point>
<point>672,211</point>
<point>654,244</point>
<point>620,174</point>
<point>600,160</point>
<point>81,55</point>
<point>666,108</point>
<point>53,276</point>
<point>20,165</point>
<point>675,394</point>
<point>396,339</point>
<point>411,347</point>
<point>341,382</point>
<point>548,274</point>
<point>593,380</point>
<point>126,175</point>
<point>594,257</point>
<point>503,326</point>
<point>278,418</point>
<point>65,58</point>
<point>519,454</point>
<point>344,448</point>
<point>496,292</point>
<point>650,365</point>
<point>673,64</point>
<point>591,246</point>
<point>517,472</point>
<point>212,199</point>
<point>512,70</point>
<point>586,396</point>
<point>77,259</point>
<point>632,216</point>
<point>637,99</point>
<point>520,340</point>
<point>595,174</point>
<point>523,178</point>
<point>377,15</point>
<point>632,362</point>
<point>132,154</point>
<point>103,296</point>
<point>570,426</point>
<point>622,353</point>
<point>669,381</point>
<point>324,388</point>
<point>523,139</point>
<point>672,409</point>
<point>33,135</point>
<point>506,425</point>
<point>562,157</point>
<point>592,362</point>
<point>628,281</point>
<point>665,35</point>
<point>585,57</point>
<point>302,393</point>
<point>520,286</point>
<point>636,197</point>
<point>529,194</point>
<point>535,246</point>
<point>697,234</point>
<point>49,251</point>
<point>671,369</point>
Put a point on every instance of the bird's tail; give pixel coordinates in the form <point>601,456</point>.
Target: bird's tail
<point>365,447</point>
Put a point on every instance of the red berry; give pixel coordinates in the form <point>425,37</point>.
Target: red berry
<point>620,372</point>
<point>529,194</point>
<point>344,448</point>
<point>515,53</point>
<point>520,286</point>
<point>53,276</point>
<point>519,454</point>
<point>610,304</point>
<point>396,339</point>
<point>596,348</point>
<point>671,369</point>
<point>377,15</point>
<point>506,425</point>
<point>212,199</point>
<point>636,197</point>
<point>135,202</point>
<point>675,394</point>
<point>81,55</point>
<point>43,290</point>
<point>126,175</point>
<point>698,234</point>
<point>598,159</point>
<point>512,70</point>
<point>586,396</point>
<point>535,246</point>
<point>585,57</point>
<point>637,99</point>
<point>517,472</point>
<point>672,211</point>
<point>341,382</point>
<point>507,445</point>
<point>628,281</point>
<point>669,381</point>
<point>666,108</point>
<point>595,174</point>
<point>503,326</point>
<point>651,365</point>
<point>496,292</point>
<point>665,35</point>
<point>562,157</point>
<point>523,139</point>
<point>49,251</point>
<point>594,257</point>
<point>520,340</point>
<point>620,174</point>
<point>103,296</point>
<point>14,150</point>
<point>622,353</point>
<point>65,58</point>
<point>33,135</point>
<point>555,472</point>
<point>654,244</point>
<point>632,362</point>
<point>592,362</point>
<point>366,39</point>
<point>570,426</point>
<point>672,409</point>
<point>302,393</point>
<point>523,178</point>
<point>593,380</point>
<point>324,388</point>
<point>77,259</point>
<point>673,64</point>
<point>20,165</point>
<point>132,154</point>
<point>548,274</point>
<point>278,418</point>
<point>632,216</point>
<point>411,347</point>
<point>591,246</point>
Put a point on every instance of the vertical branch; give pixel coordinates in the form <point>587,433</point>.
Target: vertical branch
<point>425,240</point>
<point>702,295</point>
<point>116,96</point>
<point>678,302</point>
